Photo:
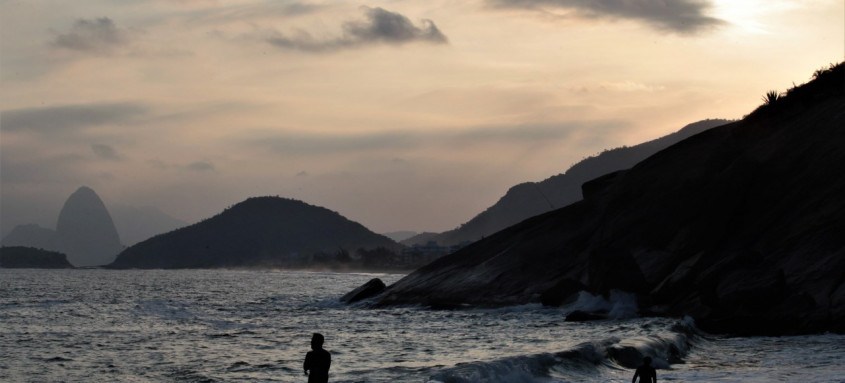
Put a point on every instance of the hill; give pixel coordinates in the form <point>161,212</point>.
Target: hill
<point>533,198</point>
<point>19,257</point>
<point>258,232</point>
<point>740,227</point>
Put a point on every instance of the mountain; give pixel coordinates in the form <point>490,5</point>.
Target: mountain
<point>401,235</point>
<point>85,231</point>
<point>135,224</point>
<point>31,235</point>
<point>532,198</point>
<point>18,257</point>
<point>258,232</point>
<point>740,227</point>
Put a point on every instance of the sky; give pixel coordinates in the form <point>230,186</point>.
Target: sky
<point>400,115</point>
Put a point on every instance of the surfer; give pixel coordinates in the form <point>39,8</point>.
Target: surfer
<point>646,372</point>
<point>317,361</point>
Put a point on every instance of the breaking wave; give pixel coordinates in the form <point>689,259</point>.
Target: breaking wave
<point>586,361</point>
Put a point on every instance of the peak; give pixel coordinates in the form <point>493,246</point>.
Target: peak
<point>84,192</point>
<point>85,189</point>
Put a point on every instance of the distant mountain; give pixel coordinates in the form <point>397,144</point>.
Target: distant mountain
<point>259,232</point>
<point>18,257</point>
<point>400,236</point>
<point>31,235</point>
<point>85,231</point>
<point>741,227</point>
<point>532,198</point>
<point>135,224</point>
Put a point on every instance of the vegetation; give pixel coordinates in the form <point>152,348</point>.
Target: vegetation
<point>771,97</point>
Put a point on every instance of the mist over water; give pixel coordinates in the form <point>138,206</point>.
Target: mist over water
<point>255,326</point>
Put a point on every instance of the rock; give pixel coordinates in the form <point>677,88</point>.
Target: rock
<point>564,291</point>
<point>19,257</point>
<point>583,316</point>
<point>85,230</point>
<point>370,289</point>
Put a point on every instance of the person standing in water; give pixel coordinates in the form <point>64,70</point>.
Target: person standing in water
<point>646,372</point>
<point>317,361</point>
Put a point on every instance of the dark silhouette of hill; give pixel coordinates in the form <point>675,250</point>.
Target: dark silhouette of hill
<point>19,257</point>
<point>85,231</point>
<point>740,227</point>
<point>259,232</point>
<point>135,224</point>
<point>533,198</point>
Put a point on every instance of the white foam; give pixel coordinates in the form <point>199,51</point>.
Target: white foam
<point>620,304</point>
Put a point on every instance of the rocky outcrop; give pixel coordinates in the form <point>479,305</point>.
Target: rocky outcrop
<point>85,231</point>
<point>368,290</point>
<point>259,232</point>
<point>740,227</point>
<point>533,198</point>
<point>19,257</point>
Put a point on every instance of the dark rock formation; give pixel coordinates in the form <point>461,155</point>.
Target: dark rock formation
<point>740,227</point>
<point>31,236</point>
<point>19,257</point>
<point>533,198</point>
<point>583,316</point>
<point>259,232</point>
<point>370,289</point>
<point>85,231</point>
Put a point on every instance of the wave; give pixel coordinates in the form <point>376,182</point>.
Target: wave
<point>584,362</point>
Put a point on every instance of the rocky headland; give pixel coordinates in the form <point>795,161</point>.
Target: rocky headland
<point>740,227</point>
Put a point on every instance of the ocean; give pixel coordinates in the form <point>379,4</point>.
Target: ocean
<point>255,326</point>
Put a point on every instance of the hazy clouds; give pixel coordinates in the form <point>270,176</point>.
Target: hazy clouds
<point>58,119</point>
<point>681,16</point>
<point>99,35</point>
<point>400,115</point>
<point>379,27</point>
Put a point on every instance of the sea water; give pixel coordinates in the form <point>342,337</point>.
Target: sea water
<point>255,326</point>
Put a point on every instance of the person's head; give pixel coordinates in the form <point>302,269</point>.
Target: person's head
<point>647,361</point>
<point>317,341</point>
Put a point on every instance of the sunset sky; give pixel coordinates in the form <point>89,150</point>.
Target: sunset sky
<point>401,115</point>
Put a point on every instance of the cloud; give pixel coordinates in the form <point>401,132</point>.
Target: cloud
<point>529,134</point>
<point>679,16</point>
<point>55,119</point>
<point>92,36</point>
<point>380,27</point>
<point>105,152</point>
<point>201,166</point>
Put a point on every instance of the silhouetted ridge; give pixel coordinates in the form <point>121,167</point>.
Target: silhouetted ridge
<point>529,199</point>
<point>739,226</point>
<point>20,257</point>
<point>261,231</point>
